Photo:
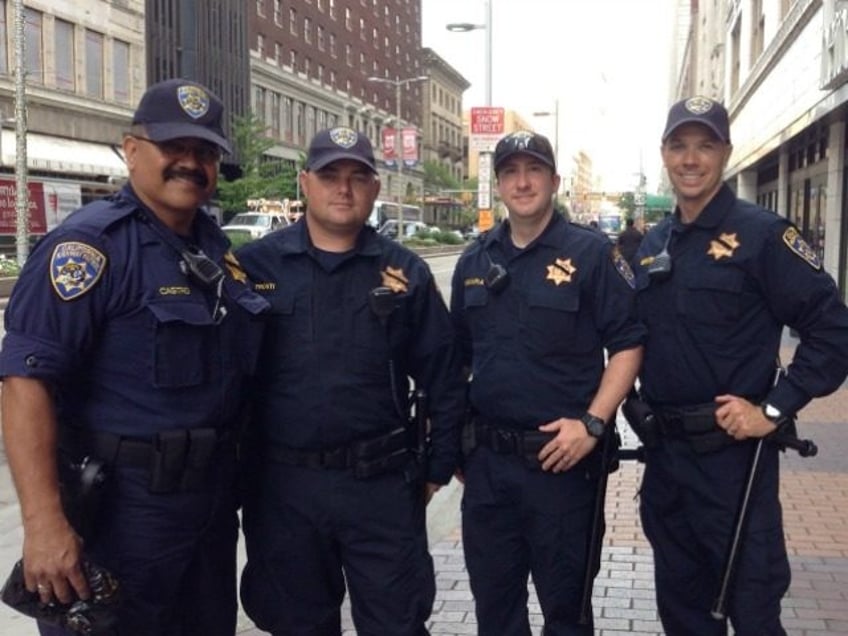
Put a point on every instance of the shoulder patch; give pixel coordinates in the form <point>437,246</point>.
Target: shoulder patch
<point>623,268</point>
<point>75,268</point>
<point>795,242</point>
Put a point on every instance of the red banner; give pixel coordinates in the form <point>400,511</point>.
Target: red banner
<point>409,140</point>
<point>389,154</point>
<point>8,214</point>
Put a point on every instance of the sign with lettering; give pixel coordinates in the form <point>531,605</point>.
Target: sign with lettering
<point>487,126</point>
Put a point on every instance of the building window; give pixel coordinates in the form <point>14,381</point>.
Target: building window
<point>332,45</point>
<point>321,73</point>
<point>320,5</point>
<point>259,104</point>
<point>93,64</point>
<point>321,44</point>
<point>32,34</point>
<point>278,53</point>
<point>275,115</point>
<point>757,30</point>
<point>64,37</point>
<point>278,12</point>
<point>292,21</point>
<point>307,66</point>
<point>333,9</point>
<point>307,30</point>
<point>362,29</point>
<point>348,55</point>
<point>347,20</point>
<point>121,71</point>
<point>260,45</point>
<point>293,60</point>
<point>260,7</point>
<point>333,79</point>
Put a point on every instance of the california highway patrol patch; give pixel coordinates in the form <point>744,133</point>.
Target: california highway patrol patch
<point>623,268</point>
<point>193,100</point>
<point>799,246</point>
<point>75,268</point>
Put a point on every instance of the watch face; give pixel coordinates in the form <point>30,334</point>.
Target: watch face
<point>771,412</point>
<point>594,425</point>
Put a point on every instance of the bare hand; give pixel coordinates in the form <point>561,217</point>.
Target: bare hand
<point>571,444</point>
<point>52,560</point>
<point>741,419</point>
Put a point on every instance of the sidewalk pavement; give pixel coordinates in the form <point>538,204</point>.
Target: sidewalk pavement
<point>814,493</point>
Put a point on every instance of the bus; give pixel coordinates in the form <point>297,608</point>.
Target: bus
<point>610,222</point>
<point>385,210</point>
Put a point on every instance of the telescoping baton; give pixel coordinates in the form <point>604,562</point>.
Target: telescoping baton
<point>805,448</point>
<point>596,536</point>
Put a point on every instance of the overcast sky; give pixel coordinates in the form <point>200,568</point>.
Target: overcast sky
<point>606,61</point>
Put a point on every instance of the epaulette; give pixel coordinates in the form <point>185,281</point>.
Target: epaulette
<point>97,216</point>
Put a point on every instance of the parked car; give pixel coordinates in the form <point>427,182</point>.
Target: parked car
<point>247,226</point>
<point>410,228</point>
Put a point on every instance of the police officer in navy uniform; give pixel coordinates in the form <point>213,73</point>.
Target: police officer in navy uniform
<point>536,302</point>
<point>337,494</point>
<point>130,333</point>
<point>716,283</point>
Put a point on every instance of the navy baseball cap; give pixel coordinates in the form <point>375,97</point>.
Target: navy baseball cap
<point>334,144</point>
<point>180,108</point>
<point>526,143</point>
<point>699,110</point>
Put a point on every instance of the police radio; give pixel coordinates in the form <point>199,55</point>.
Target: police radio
<point>660,268</point>
<point>497,277</point>
<point>200,268</point>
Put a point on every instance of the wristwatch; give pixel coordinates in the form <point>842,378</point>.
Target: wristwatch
<point>773,414</point>
<point>595,426</point>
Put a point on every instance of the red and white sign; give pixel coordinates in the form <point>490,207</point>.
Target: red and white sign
<point>487,126</point>
<point>409,138</point>
<point>49,203</point>
<point>388,143</point>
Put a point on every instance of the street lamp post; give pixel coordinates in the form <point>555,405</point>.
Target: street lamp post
<point>21,191</point>
<point>555,115</point>
<point>484,162</point>
<point>398,83</point>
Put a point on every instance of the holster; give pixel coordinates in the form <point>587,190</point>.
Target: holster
<point>382,454</point>
<point>641,419</point>
<point>81,488</point>
<point>695,424</point>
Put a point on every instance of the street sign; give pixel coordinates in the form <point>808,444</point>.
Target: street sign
<point>484,181</point>
<point>487,127</point>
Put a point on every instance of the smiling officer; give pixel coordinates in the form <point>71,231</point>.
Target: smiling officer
<point>129,336</point>
<point>716,283</point>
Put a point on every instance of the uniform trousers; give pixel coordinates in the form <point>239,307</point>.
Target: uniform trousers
<point>518,521</point>
<point>174,555</point>
<point>309,531</point>
<point>688,507</point>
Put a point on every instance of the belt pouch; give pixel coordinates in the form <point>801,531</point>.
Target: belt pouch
<point>202,445</point>
<point>168,460</point>
<point>532,443</point>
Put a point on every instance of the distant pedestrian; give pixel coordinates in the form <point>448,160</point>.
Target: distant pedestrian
<point>717,281</point>
<point>129,338</point>
<point>538,304</point>
<point>629,241</point>
<point>341,475</point>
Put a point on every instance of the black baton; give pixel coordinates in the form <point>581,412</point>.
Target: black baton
<point>805,448</point>
<point>596,535</point>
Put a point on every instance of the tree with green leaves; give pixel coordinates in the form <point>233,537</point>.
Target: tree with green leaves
<point>262,177</point>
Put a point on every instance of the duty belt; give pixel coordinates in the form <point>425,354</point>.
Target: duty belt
<point>367,458</point>
<point>505,441</point>
<point>695,424</point>
<point>178,459</point>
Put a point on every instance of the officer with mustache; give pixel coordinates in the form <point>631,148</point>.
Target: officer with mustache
<point>130,335</point>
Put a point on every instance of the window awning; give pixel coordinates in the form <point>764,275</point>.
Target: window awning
<point>57,154</point>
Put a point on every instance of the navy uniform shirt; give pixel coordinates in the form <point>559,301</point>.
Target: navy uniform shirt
<point>325,367</point>
<point>103,313</point>
<point>739,273</point>
<point>536,349</point>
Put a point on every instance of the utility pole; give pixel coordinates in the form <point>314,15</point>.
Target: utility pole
<point>21,189</point>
